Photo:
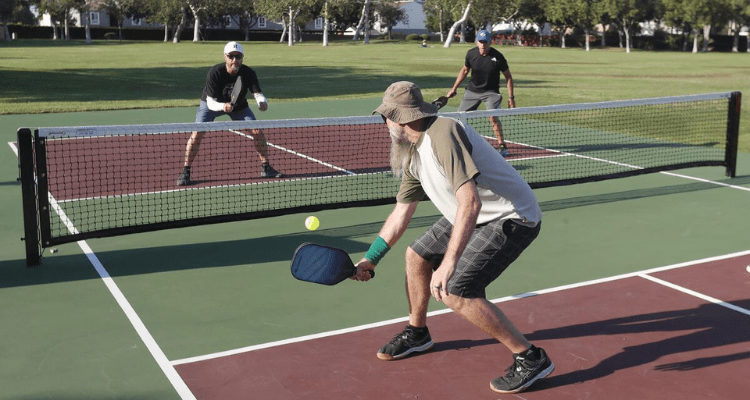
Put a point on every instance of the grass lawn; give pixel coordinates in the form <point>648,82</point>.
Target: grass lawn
<point>44,76</point>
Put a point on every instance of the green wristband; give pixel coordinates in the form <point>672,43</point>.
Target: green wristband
<point>377,251</point>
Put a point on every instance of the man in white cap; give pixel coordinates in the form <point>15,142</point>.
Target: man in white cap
<point>490,216</point>
<point>486,64</point>
<point>216,101</point>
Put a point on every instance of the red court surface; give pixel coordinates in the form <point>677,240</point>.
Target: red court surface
<point>127,165</point>
<point>625,338</point>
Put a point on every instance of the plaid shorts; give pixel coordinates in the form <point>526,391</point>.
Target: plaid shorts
<point>491,249</point>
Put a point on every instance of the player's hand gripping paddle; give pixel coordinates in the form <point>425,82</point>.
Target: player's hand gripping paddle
<point>237,92</point>
<point>322,264</point>
<point>440,102</point>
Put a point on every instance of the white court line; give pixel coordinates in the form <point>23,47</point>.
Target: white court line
<point>706,181</point>
<point>297,154</point>
<point>445,311</point>
<point>564,153</point>
<point>185,393</point>
<point>159,356</point>
<point>697,294</point>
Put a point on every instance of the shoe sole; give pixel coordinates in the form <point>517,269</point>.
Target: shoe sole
<point>541,375</point>
<point>422,348</point>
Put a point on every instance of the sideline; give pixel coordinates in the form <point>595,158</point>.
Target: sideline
<point>500,300</point>
<point>161,359</point>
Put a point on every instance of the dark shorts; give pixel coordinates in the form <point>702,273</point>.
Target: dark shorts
<point>205,115</point>
<point>471,101</point>
<point>491,249</point>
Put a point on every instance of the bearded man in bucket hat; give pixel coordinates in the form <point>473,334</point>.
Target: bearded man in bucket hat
<point>490,215</point>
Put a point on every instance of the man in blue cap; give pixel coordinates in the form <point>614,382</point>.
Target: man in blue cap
<point>485,64</point>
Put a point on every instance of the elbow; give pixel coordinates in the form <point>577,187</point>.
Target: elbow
<point>476,206</point>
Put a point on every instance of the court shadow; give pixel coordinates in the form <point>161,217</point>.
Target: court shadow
<point>181,82</point>
<point>708,326</point>
<point>582,201</point>
<point>279,248</point>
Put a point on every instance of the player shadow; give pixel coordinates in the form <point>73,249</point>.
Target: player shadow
<point>462,344</point>
<point>708,326</point>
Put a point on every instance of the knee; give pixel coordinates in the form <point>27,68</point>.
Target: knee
<point>455,302</point>
<point>415,262</point>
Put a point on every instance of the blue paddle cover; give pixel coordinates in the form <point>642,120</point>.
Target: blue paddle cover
<point>321,264</point>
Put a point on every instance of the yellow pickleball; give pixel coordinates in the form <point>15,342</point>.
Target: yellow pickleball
<point>312,223</point>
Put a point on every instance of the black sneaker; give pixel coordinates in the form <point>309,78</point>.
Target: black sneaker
<point>407,342</point>
<point>184,178</point>
<point>503,150</point>
<point>267,171</point>
<point>523,373</point>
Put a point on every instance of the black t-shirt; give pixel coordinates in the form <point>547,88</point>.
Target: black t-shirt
<point>485,70</point>
<point>219,84</point>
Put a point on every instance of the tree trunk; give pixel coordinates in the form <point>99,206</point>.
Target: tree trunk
<point>562,40</point>
<point>291,27</point>
<point>685,40</point>
<point>695,41</point>
<point>519,37</point>
<point>325,24</point>
<point>541,38</point>
<point>586,31</point>
<point>363,19</point>
<point>442,28</point>
<point>736,42</point>
<point>166,32</point>
<point>283,31</point>
<point>452,31</point>
<point>706,37</point>
<point>87,24</point>
<point>367,30</point>
<point>180,27</point>
<point>196,27</point>
<point>627,40</point>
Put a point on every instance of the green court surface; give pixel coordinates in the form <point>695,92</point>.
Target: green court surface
<point>175,294</point>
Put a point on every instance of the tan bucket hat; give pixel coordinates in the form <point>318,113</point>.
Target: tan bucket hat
<point>403,103</point>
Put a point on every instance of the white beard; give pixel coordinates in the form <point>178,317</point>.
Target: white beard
<point>402,153</point>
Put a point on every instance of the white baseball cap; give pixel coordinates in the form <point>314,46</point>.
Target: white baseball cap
<point>233,47</point>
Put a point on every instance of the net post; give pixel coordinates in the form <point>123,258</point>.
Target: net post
<point>40,159</point>
<point>29,197</point>
<point>733,132</point>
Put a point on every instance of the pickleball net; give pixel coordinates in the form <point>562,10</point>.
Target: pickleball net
<point>100,181</point>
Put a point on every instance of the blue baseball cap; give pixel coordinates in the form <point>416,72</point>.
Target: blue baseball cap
<point>483,36</point>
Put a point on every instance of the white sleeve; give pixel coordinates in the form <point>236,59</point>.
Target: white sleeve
<point>214,105</point>
<point>259,98</point>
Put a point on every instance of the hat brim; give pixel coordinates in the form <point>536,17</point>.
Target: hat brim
<point>404,115</point>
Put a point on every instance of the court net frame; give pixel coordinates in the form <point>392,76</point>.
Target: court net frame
<point>566,122</point>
